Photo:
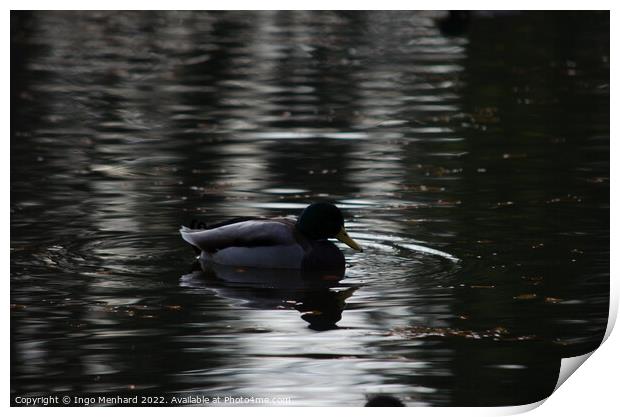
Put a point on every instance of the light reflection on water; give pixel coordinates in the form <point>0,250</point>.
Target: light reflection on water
<point>477,182</point>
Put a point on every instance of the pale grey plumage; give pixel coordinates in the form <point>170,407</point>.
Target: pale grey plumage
<point>244,234</point>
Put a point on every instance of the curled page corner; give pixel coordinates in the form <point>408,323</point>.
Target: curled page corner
<point>613,311</point>
<point>520,409</point>
<point>568,366</point>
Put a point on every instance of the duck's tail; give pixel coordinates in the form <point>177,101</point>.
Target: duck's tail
<point>186,234</point>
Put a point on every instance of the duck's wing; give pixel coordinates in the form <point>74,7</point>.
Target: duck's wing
<point>241,234</point>
<point>202,226</point>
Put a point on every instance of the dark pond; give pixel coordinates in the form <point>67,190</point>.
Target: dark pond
<point>471,158</point>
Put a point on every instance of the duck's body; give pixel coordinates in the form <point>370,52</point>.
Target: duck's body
<point>263,243</point>
<point>275,243</point>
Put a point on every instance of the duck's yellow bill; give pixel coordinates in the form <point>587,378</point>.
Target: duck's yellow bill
<point>344,237</point>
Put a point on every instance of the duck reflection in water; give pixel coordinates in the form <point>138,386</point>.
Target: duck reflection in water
<point>317,295</point>
<point>278,263</point>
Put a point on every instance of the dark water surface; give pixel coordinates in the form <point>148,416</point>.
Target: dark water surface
<point>472,162</point>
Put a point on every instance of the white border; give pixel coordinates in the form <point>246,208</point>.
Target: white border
<point>592,390</point>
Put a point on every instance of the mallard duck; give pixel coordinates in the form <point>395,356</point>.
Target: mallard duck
<point>276,243</point>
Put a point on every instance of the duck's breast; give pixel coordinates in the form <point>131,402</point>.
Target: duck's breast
<point>323,255</point>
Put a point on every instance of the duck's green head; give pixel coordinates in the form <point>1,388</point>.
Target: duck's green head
<point>323,221</point>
